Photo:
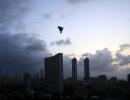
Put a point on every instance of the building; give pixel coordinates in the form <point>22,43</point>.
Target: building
<point>128,77</point>
<point>27,83</point>
<point>74,69</point>
<point>41,74</point>
<point>54,74</point>
<point>86,69</point>
<point>0,72</point>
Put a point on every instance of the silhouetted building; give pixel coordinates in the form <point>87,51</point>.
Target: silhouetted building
<point>27,83</point>
<point>36,76</point>
<point>113,80</point>
<point>0,72</point>
<point>74,69</point>
<point>102,78</point>
<point>86,69</point>
<point>41,74</point>
<point>54,73</point>
<point>128,77</point>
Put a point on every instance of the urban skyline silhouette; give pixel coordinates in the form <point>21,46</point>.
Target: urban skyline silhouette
<point>65,49</point>
<point>53,86</point>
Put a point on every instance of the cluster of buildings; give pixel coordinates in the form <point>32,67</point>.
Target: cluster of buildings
<point>51,84</point>
<point>54,82</point>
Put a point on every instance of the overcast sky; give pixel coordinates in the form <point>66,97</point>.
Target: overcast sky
<point>98,29</point>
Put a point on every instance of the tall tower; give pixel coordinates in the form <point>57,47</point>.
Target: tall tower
<point>86,69</point>
<point>54,73</point>
<point>74,69</point>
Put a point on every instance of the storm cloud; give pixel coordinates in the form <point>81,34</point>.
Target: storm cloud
<point>11,12</point>
<point>21,53</point>
<point>104,62</point>
<point>122,59</point>
<point>61,42</point>
<point>101,62</point>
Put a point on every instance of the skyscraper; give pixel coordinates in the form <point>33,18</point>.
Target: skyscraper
<point>0,72</point>
<point>86,69</point>
<point>128,77</point>
<point>41,74</point>
<point>27,83</point>
<point>74,69</point>
<point>54,73</point>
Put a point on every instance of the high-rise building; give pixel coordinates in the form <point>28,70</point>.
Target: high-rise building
<point>86,69</point>
<point>128,77</point>
<point>0,72</point>
<point>74,69</point>
<point>27,83</point>
<point>54,74</point>
<point>41,74</point>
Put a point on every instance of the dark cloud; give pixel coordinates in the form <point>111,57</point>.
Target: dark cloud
<point>11,11</point>
<point>122,60</point>
<point>101,62</point>
<point>61,42</point>
<point>21,53</point>
<point>18,52</point>
<point>123,47</point>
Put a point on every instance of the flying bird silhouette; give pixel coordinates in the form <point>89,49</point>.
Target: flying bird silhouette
<point>60,28</point>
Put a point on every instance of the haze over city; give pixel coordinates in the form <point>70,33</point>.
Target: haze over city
<point>97,29</point>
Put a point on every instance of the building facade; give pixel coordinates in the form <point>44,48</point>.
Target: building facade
<point>27,83</point>
<point>41,74</point>
<point>86,69</point>
<point>74,69</point>
<point>54,74</point>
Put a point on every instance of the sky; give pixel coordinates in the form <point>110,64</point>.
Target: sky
<point>90,24</point>
<point>97,29</point>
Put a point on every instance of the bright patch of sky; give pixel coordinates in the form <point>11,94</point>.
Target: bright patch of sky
<point>90,24</point>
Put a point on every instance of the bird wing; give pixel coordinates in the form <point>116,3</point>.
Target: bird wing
<point>60,29</point>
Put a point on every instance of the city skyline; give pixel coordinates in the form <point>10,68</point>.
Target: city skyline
<point>97,29</point>
<point>53,86</point>
<point>65,49</point>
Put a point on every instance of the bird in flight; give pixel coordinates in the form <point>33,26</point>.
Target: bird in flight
<point>60,28</point>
